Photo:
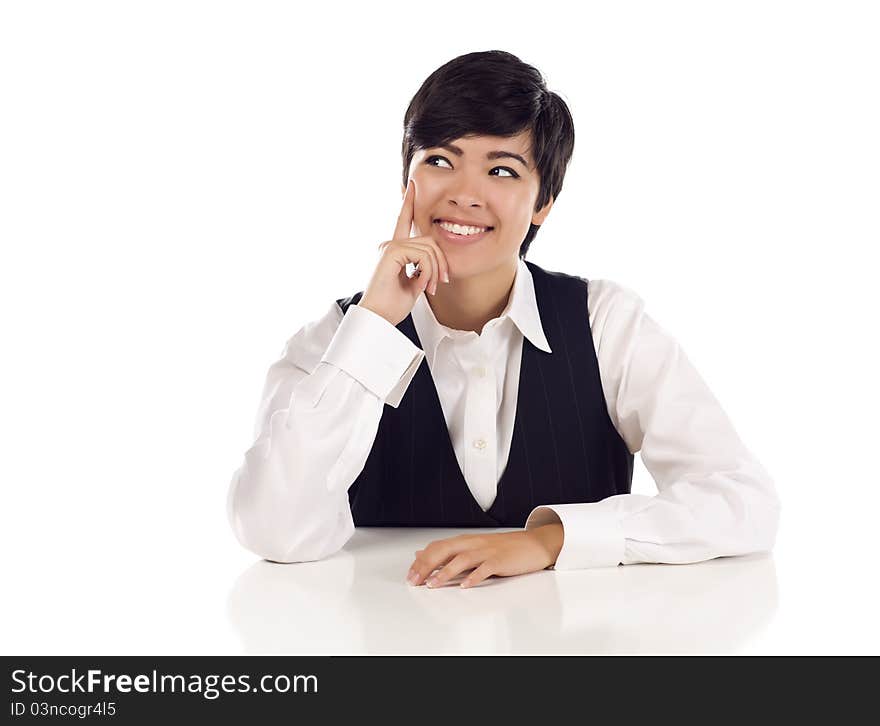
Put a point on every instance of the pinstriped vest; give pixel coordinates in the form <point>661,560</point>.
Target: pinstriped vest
<point>565,448</point>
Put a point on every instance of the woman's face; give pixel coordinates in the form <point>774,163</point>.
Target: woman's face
<point>474,180</point>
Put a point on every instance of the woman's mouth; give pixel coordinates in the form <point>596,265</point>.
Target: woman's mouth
<point>463,235</point>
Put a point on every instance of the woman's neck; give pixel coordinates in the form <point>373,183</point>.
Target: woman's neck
<point>470,303</point>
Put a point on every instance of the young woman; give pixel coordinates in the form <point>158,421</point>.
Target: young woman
<point>485,391</point>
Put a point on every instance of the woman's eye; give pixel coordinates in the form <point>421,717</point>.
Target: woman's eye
<point>511,172</point>
<point>431,158</point>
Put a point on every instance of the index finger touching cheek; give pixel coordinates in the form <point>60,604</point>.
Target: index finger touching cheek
<point>405,219</point>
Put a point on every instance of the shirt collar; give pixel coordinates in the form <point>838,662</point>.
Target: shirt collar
<point>522,309</point>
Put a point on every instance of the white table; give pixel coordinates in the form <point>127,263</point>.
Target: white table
<point>358,602</point>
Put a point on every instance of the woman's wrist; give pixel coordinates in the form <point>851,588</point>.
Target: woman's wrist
<point>551,537</point>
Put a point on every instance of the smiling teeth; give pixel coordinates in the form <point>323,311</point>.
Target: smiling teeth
<point>458,229</point>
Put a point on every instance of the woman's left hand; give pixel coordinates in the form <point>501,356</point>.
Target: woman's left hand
<point>502,553</point>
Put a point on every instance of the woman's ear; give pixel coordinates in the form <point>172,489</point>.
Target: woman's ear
<point>539,216</point>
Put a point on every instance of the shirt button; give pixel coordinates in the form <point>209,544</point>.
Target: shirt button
<point>479,443</point>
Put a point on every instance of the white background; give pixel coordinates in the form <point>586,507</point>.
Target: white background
<point>183,185</point>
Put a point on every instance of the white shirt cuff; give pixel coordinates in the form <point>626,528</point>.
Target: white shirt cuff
<point>375,353</point>
<point>592,532</point>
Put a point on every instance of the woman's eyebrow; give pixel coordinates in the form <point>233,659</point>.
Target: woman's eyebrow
<point>489,155</point>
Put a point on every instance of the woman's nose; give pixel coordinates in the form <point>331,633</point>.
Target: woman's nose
<point>466,192</point>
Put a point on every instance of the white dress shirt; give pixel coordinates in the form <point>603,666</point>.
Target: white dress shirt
<point>322,402</point>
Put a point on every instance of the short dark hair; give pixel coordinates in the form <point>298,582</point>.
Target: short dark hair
<point>493,93</point>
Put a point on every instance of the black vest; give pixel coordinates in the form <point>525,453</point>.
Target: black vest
<point>565,448</point>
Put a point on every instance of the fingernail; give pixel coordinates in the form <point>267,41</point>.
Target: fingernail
<point>431,582</point>
<point>445,277</point>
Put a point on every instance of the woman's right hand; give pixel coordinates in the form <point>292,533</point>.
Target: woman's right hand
<point>390,292</point>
